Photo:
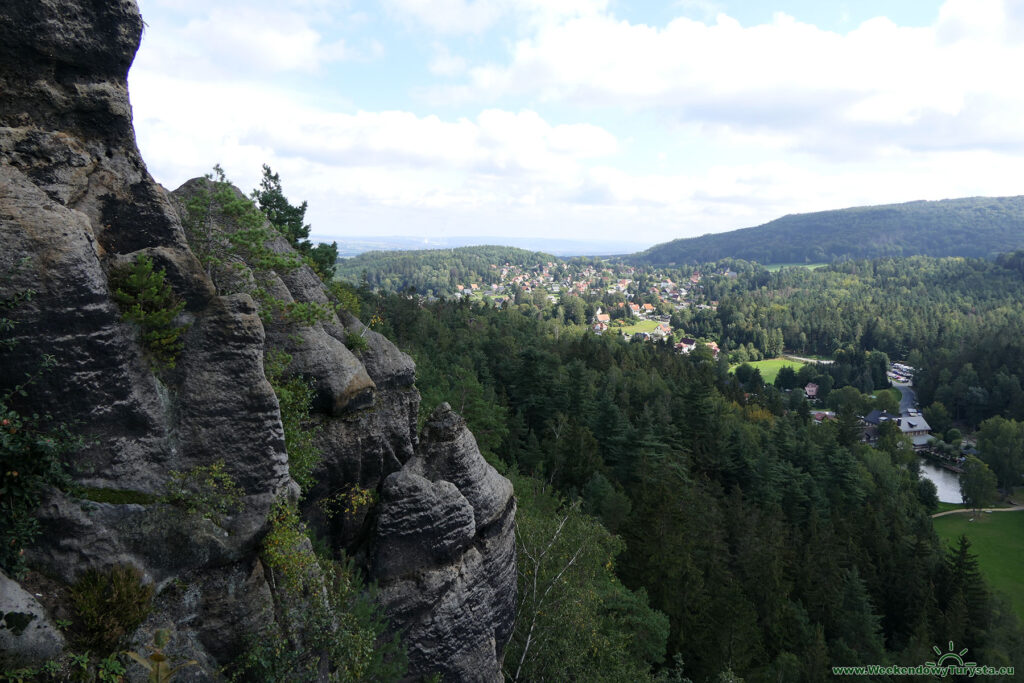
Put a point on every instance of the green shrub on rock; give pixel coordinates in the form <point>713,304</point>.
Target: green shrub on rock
<point>345,296</point>
<point>147,300</point>
<point>295,397</point>
<point>324,620</point>
<point>205,490</point>
<point>109,605</point>
<point>356,342</point>
<point>32,449</point>
<point>31,460</point>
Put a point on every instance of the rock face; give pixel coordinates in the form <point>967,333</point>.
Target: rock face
<point>445,552</point>
<point>24,625</point>
<point>76,202</point>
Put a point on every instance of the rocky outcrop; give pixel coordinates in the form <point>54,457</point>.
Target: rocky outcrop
<point>444,552</point>
<point>77,202</point>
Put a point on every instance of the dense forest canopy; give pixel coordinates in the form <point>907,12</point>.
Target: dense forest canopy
<point>960,322</point>
<point>435,271</point>
<point>775,547</point>
<point>976,227</point>
<point>737,535</point>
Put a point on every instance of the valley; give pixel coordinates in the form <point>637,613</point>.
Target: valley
<point>231,451</point>
<point>556,392</point>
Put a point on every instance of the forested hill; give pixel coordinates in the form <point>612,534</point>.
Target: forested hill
<point>436,271</point>
<point>973,227</point>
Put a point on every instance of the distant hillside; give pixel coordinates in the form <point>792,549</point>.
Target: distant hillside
<point>975,226</point>
<point>435,271</point>
<point>353,246</point>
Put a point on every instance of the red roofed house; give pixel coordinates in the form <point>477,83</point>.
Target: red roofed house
<point>686,344</point>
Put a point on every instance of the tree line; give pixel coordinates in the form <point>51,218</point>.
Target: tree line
<point>978,227</point>
<point>436,272</point>
<point>958,321</point>
<point>754,542</point>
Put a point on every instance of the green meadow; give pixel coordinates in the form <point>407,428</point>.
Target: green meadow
<point>770,368</point>
<point>640,326</point>
<point>998,540</point>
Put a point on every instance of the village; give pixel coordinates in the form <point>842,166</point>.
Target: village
<point>946,453</point>
<point>638,305</point>
<point>616,298</point>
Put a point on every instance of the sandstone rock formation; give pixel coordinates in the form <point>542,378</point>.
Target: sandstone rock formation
<point>24,624</point>
<point>76,201</point>
<point>466,569</point>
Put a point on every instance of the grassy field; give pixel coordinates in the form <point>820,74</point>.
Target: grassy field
<point>998,541</point>
<point>770,368</point>
<point>641,326</point>
<point>946,507</point>
<point>778,266</point>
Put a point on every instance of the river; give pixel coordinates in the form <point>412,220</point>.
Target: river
<point>948,483</point>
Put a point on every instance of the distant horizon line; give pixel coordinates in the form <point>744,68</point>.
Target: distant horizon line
<point>554,245</point>
<point>368,238</point>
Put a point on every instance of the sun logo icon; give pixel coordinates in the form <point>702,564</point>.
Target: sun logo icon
<point>951,658</point>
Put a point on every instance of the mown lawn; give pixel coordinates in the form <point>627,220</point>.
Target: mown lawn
<point>770,368</point>
<point>640,326</point>
<point>997,539</point>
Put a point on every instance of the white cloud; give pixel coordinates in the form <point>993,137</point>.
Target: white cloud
<point>453,17</point>
<point>448,16</point>
<point>705,9</point>
<point>876,86</point>
<point>445,63</point>
<point>389,157</point>
<point>736,124</point>
<point>269,41</point>
<point>261,40</point>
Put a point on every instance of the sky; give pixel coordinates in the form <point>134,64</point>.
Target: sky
<point>598,120</point>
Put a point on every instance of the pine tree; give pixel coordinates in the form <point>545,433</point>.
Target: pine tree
<point>968,598</point>
<point>290,222</point>
<point>288,219</point>
<point>146,299</point>
<point>857,627</point>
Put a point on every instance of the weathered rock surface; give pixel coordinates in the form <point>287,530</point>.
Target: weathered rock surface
<point>76,201</point>
<point>422,524</point>
<point>26,633</point>
<point>445,553</point>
